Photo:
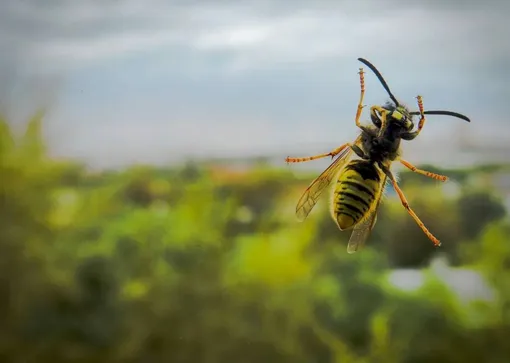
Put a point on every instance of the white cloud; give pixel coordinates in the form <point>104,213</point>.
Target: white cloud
<point>232,38</point>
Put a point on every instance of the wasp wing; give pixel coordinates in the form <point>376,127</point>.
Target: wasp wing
<point>362,230</point>
<point>314,191</point>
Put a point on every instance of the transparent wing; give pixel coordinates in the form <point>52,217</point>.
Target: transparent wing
<point>314,191</point>
<point>362,230</point>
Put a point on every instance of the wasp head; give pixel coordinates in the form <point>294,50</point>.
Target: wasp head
<point>397,117</point>
<point>396,113</point>
<point>401,117</point>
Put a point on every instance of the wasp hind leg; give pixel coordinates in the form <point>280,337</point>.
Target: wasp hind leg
<point>423,172</point>
<point>405,203</point>
<point>333,153</point>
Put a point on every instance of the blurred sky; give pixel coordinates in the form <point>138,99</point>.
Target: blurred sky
<point>154,81</point>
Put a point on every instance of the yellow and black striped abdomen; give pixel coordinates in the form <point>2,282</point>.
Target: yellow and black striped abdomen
<point>356,192</point>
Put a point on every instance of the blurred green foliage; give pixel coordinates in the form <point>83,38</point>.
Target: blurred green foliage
<point>204,264</point>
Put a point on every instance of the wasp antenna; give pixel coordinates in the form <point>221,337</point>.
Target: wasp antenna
<point>381,79</point>
<point>444,113</point>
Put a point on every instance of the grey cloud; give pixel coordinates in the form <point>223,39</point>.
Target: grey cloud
<point>28,24</point>
<point>457,5</point>
<point>40,40</point>
<point>34,35</point>
<point>31,30</point>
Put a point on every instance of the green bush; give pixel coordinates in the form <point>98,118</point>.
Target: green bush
<point>175,266</point>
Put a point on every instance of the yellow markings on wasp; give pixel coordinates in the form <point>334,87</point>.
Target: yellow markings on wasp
<point>397,115</point>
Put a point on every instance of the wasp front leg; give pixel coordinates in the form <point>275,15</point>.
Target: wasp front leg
<point>422,114</point>
<point>362,95</point>
<point>378,115</point>
<point>412,135</point>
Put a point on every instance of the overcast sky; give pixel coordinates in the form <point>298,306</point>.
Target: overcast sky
<point>145,81</point>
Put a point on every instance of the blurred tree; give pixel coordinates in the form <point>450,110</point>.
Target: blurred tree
<point>137,189</point>
<point>405,243</point>
<point>476,210</point>
<point>347,314</point>
<point>189,173</point>
<point>28,181</point>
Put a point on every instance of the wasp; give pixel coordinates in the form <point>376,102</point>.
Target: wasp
<point>360,181</point>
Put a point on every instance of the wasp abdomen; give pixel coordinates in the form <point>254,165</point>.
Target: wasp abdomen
<point>355,193</point>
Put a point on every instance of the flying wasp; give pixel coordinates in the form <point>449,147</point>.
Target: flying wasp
<point>360,182</point>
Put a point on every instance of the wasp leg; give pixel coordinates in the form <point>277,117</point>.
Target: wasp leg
<point>422,114</point>
<point>423,172</point>
<point>374,110</point>
<point>333,153</point>
<point>403,199</point>
<point>412,135</point>
<point>362,95</point>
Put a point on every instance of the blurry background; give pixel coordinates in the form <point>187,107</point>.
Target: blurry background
<point>147,214</point>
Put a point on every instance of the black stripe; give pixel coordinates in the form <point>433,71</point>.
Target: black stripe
<point>357,198</point>
<point>353,208</point>
<point>365,169</point>
<point>360,187</point>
